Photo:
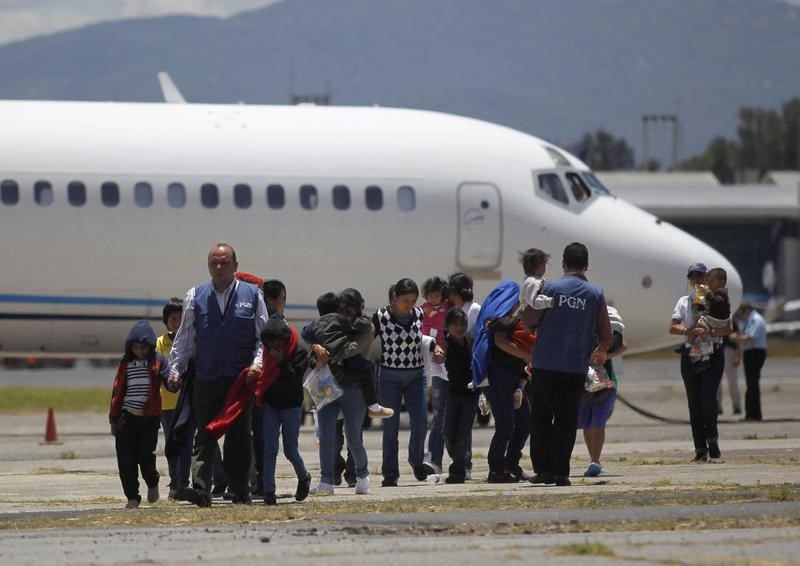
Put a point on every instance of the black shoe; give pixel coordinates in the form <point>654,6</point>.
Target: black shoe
<point>700,456</point>
<point>562,481</point>
<point>504,477</point>
<point>269,498</point>
<point>303,486</point>
<point>219,489</point>
<point>337,478</point>
<point>198,497</point>
<point>454,479</point>
<point>241,499</point>
<point>420,472</point>
<point>429,469</point>
<point>713,450</point>
<point>389,482</point>
<point>257,492</point>
<point>542,479</point>
<point>350,479</point>
<point>518,473</point>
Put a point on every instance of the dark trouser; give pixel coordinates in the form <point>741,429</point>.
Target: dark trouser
<point>511,429</point>
<point>257,428</point>
<point>172,463</point>
<point>135,441</point>
<point>753,361</point>
<point>701,393</point>
<point>459,414</point>
<point>556,396</point>
<point>346,467</point>
<point>207,402</point>
<point>179,466</point>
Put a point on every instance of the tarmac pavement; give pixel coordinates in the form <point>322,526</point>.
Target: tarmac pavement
<point>628,509</point>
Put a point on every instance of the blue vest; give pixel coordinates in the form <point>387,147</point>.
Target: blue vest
<point>565,336</point>
<point>225,345</point>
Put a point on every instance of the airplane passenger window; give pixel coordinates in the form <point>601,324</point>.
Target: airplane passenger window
<point>109,193</point>
<point>242,196</point>
<point>373,198</point>
<point>143,194</point>
<point>550,184</point>
<point>176,195</point>
<point>9,192</point>
<point>308,197</point>
<point>579,189</point>
<point>43,193</point>
<point>406,199</point>
<point>341,197</point>
<point>276,197</point>
<point>76,193</point>
<point>209,195</point>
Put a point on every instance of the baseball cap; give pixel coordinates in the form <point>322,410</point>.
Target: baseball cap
<point>697,268</point>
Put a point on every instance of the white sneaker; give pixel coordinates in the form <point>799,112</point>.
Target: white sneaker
<point>322,489</point>
<point>436,479</point>
<point>362,486</point>
<point>381,412</point>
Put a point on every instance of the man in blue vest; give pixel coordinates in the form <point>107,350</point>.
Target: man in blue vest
<point>572,334</point>
<point>222,323</point>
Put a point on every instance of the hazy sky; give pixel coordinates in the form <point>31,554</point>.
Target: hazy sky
<point>21,19</point>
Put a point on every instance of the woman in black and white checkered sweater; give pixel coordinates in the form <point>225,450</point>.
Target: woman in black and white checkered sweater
<point>402,377</point>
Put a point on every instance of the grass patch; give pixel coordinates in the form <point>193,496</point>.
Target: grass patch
<point>18,400</point>
<point>68,455</point>
<point>783,493</point>
<point>48,471</point>
<point>166,513</point>
<point>583,549</point>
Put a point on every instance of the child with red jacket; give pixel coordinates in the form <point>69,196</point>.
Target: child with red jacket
<point>135,414</point>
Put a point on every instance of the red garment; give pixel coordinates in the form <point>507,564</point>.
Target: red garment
<point>240,393</point>
<point>152,407</point>
<point>433,319</point>
<point>249,278</point>
<point>523,339</point>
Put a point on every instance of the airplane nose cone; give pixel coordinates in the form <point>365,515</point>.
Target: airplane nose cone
<point>642,264</point>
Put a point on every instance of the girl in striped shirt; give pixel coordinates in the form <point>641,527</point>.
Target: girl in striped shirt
<point>135,413</point>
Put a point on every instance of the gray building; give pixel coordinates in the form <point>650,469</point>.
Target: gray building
<point>756,226</point>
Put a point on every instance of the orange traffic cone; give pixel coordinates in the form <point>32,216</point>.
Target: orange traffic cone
<point>50,433</point>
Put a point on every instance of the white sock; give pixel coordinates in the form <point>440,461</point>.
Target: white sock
<point>375,407</point>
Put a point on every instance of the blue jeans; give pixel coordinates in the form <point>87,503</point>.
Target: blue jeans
<point>511,428</point>
<point>396,384</point>
<point>180,467</point>
<point>354,408</point>
<point>458,418</point>
<point>284,423</point>
<point>439,388</point>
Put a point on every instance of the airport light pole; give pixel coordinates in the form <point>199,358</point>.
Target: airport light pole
<point>651,121</point>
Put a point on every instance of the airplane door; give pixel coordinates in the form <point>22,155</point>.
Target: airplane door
<point>480,226</point>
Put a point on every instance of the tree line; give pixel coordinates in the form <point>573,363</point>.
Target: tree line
<point>767,140</point>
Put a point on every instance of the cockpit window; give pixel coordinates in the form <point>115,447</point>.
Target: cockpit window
<point>550,184</point>
<point>579,188</point>
<point>595,183</point>
<point>558,158</point>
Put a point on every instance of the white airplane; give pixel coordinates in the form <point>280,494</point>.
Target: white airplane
<point>109,209</point>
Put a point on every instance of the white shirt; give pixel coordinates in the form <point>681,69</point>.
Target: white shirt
<point>183,344</point>
<point>472,310</point>
<point>688,317</point>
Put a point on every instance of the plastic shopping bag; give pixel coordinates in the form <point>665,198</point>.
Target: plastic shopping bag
<point>322,386</point>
